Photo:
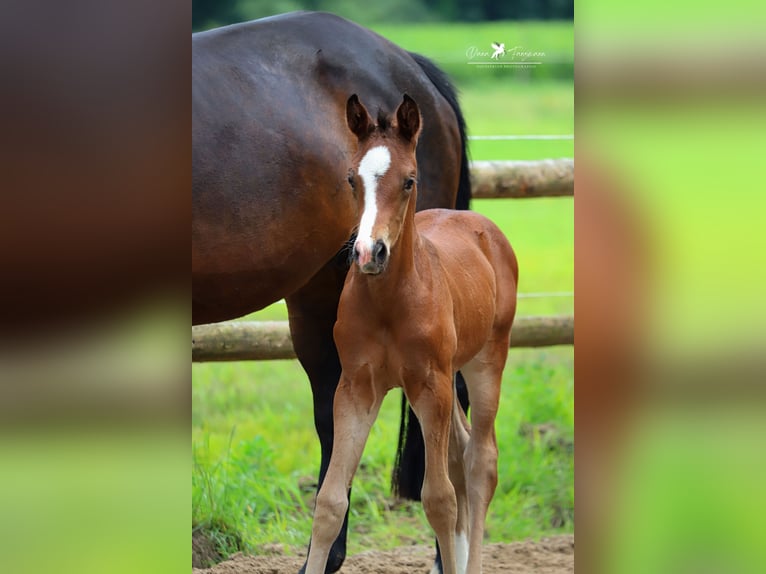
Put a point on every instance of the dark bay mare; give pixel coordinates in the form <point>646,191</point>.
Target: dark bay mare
<point>272,208</point>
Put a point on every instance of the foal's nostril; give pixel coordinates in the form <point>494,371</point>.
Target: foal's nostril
<point>379,252</point>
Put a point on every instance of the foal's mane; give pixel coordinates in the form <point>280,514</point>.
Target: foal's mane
<point>384,122</point>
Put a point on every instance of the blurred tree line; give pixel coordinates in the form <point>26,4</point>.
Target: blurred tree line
<point>210,13</point>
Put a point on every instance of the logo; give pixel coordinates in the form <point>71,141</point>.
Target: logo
<point>499,55</point>
<point>499,50</point>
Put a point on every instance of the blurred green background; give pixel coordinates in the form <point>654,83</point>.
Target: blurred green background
<point>671,119</point>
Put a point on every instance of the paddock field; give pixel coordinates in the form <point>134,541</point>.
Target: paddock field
<point>255,451</point>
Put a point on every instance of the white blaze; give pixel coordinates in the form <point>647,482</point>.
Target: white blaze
<point>373,166</point>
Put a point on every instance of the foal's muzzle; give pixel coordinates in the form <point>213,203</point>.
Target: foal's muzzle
<point>372,261</point>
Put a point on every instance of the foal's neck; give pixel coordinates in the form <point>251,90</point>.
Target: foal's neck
<point>402,268</point>
<point>404,253</point>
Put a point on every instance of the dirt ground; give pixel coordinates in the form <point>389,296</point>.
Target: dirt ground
<point>554,555</point>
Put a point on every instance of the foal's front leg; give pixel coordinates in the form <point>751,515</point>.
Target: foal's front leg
<point>312,312</point>
<point>356,407</point>
<point>433,405</point>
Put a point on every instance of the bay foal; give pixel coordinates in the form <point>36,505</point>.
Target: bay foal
<point>430,293</point>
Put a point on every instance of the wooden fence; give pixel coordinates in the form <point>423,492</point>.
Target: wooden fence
<point>260,341</point>
<point>269,340</point>
<point>522,179</point>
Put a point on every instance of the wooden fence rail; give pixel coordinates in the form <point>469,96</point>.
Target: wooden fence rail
<point>522,179</point>
<point>262,341</point>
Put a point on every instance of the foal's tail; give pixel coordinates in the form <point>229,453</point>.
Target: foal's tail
<point>409,467</point>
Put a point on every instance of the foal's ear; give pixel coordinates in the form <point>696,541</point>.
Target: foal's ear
<point>357,117</point>
<point>408,119</point>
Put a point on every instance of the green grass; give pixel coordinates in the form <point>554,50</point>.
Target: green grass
<point>256,454</point>
<point>519,109</point>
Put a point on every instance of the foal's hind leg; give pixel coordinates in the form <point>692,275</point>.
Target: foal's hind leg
<point>483,376</point>
<point>356,407</point>
<point>459,436</point>
<point>458,442</point>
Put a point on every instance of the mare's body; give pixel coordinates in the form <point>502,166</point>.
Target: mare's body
<point>271,209</point>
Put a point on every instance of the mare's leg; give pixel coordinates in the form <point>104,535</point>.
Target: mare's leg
<point>483,375</point>
<point>433,406</point>
<point>313,311</point>
<point>356,407</point>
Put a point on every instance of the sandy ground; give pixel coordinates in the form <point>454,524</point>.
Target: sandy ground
<point>553,555</point>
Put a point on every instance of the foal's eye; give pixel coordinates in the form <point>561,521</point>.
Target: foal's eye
<point>351,179</point>
<point>409,183</point>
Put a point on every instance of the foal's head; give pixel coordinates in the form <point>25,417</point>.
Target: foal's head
<point>383,178</point>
